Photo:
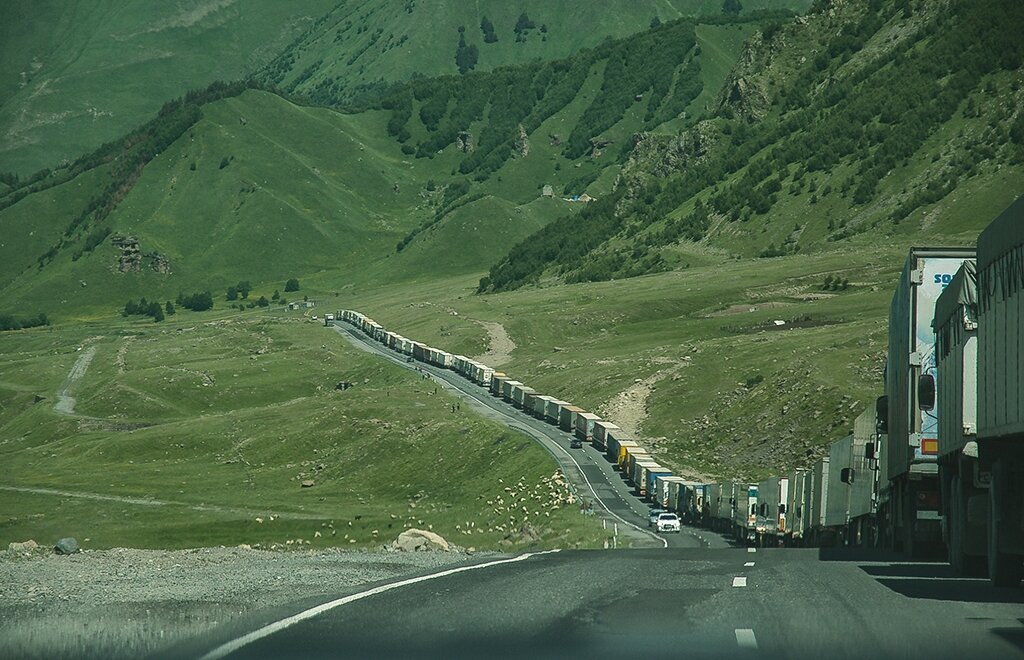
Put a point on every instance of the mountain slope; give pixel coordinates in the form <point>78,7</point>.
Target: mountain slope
<point>279,190</point>
<point>810,145</point>
<point>367,44</point>
<point>74,75</point>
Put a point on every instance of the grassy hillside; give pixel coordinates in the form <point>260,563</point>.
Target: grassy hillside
<point>367,44</point>
<point>74,75</point>
<point>279,190</point>
<point>201,434</point>
<point>876,132</point>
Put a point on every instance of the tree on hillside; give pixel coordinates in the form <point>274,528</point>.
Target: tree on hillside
<point>466,56</point>
<point>263,302</point>
<point>524,23</point>
<point>232,293</point>
<point>488,29</point>
<point>197,302</point>
<point>291,285</point>
<point>732,7</point>
<point>169,308</point>
<point>243,289</point>
<point>276,296</point>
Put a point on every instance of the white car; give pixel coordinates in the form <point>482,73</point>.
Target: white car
<point>654,513</point>
<point>668,522</point>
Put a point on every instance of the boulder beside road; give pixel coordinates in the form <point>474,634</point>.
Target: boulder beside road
<point>419,540</point>
<point>67,546</point>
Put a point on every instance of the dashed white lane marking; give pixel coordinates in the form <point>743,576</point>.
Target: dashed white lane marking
<point>751,549</point>
<point>739,582</point>
<point>270,629</point>
<point>745,638</point>
<point>748,564</point>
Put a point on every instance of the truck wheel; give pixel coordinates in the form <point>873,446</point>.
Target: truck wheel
<point>1004,569</point>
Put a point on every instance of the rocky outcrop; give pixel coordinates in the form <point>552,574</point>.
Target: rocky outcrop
<point>159,262</point>
<point>522,147</point>
<point>464,142</point>
<point>130,259</point>
<point>131,256</point>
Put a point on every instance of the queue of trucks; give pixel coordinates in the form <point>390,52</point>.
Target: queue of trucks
<point>936,462</point>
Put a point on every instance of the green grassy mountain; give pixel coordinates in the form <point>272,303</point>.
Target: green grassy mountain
<point>74,75</point>
<point>364,45</point>
<point>279,190</point>
<point>860,117</point>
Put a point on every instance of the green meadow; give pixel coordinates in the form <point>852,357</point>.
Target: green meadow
<point>202,430</point>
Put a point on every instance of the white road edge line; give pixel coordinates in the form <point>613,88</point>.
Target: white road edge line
<point>751,549</point>
<point>664,542</point>
<point>745,638</point>
<point>269,629</point>
<point>739,582</point>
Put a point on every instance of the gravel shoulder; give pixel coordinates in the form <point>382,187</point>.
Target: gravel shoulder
<point>127,603</point>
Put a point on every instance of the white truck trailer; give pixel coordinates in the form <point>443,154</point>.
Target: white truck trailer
<point>963,486</point>
<point>1001,389</point>
<point>909,493</point>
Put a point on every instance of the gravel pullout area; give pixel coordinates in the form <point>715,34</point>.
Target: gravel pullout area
<point>125,603</point>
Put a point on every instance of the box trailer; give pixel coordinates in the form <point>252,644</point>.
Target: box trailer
<point>639,455</point>
<point>640,471</point>
<point>909,501</point>
<point>837,506</point>
<point>664,491</point>
<point>614,442</point>
<point>540,405</point>
<point>507,389</point>
<point>651,481</point>
<point>498,383</point>
<point>622,458</point>
<point>601,429</point>
<point>745,512</point>
<point>567,418</point>
<point>797,508</point>
<point>962,484</point>
<point>771,509</point>
<point>552,410</point>
<point>1000,381</point>
<point>817,500</point>
<point>520,393</point>
<point>585,426</point>
<point>862,480</point>
<point>712,502</point>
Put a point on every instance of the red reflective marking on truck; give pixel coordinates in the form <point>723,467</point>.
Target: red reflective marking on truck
<point>930,446</point>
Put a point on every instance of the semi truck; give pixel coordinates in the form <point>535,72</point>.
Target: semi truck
<point>963,485</point>
<point>909,492</point>
<point>981,427</point>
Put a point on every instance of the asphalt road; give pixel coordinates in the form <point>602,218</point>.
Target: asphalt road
<point>587,469</point>
<point>667,603</point>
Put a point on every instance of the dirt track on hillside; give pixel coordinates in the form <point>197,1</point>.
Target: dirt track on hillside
<point>500,345</point>
<point>65,402</point>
